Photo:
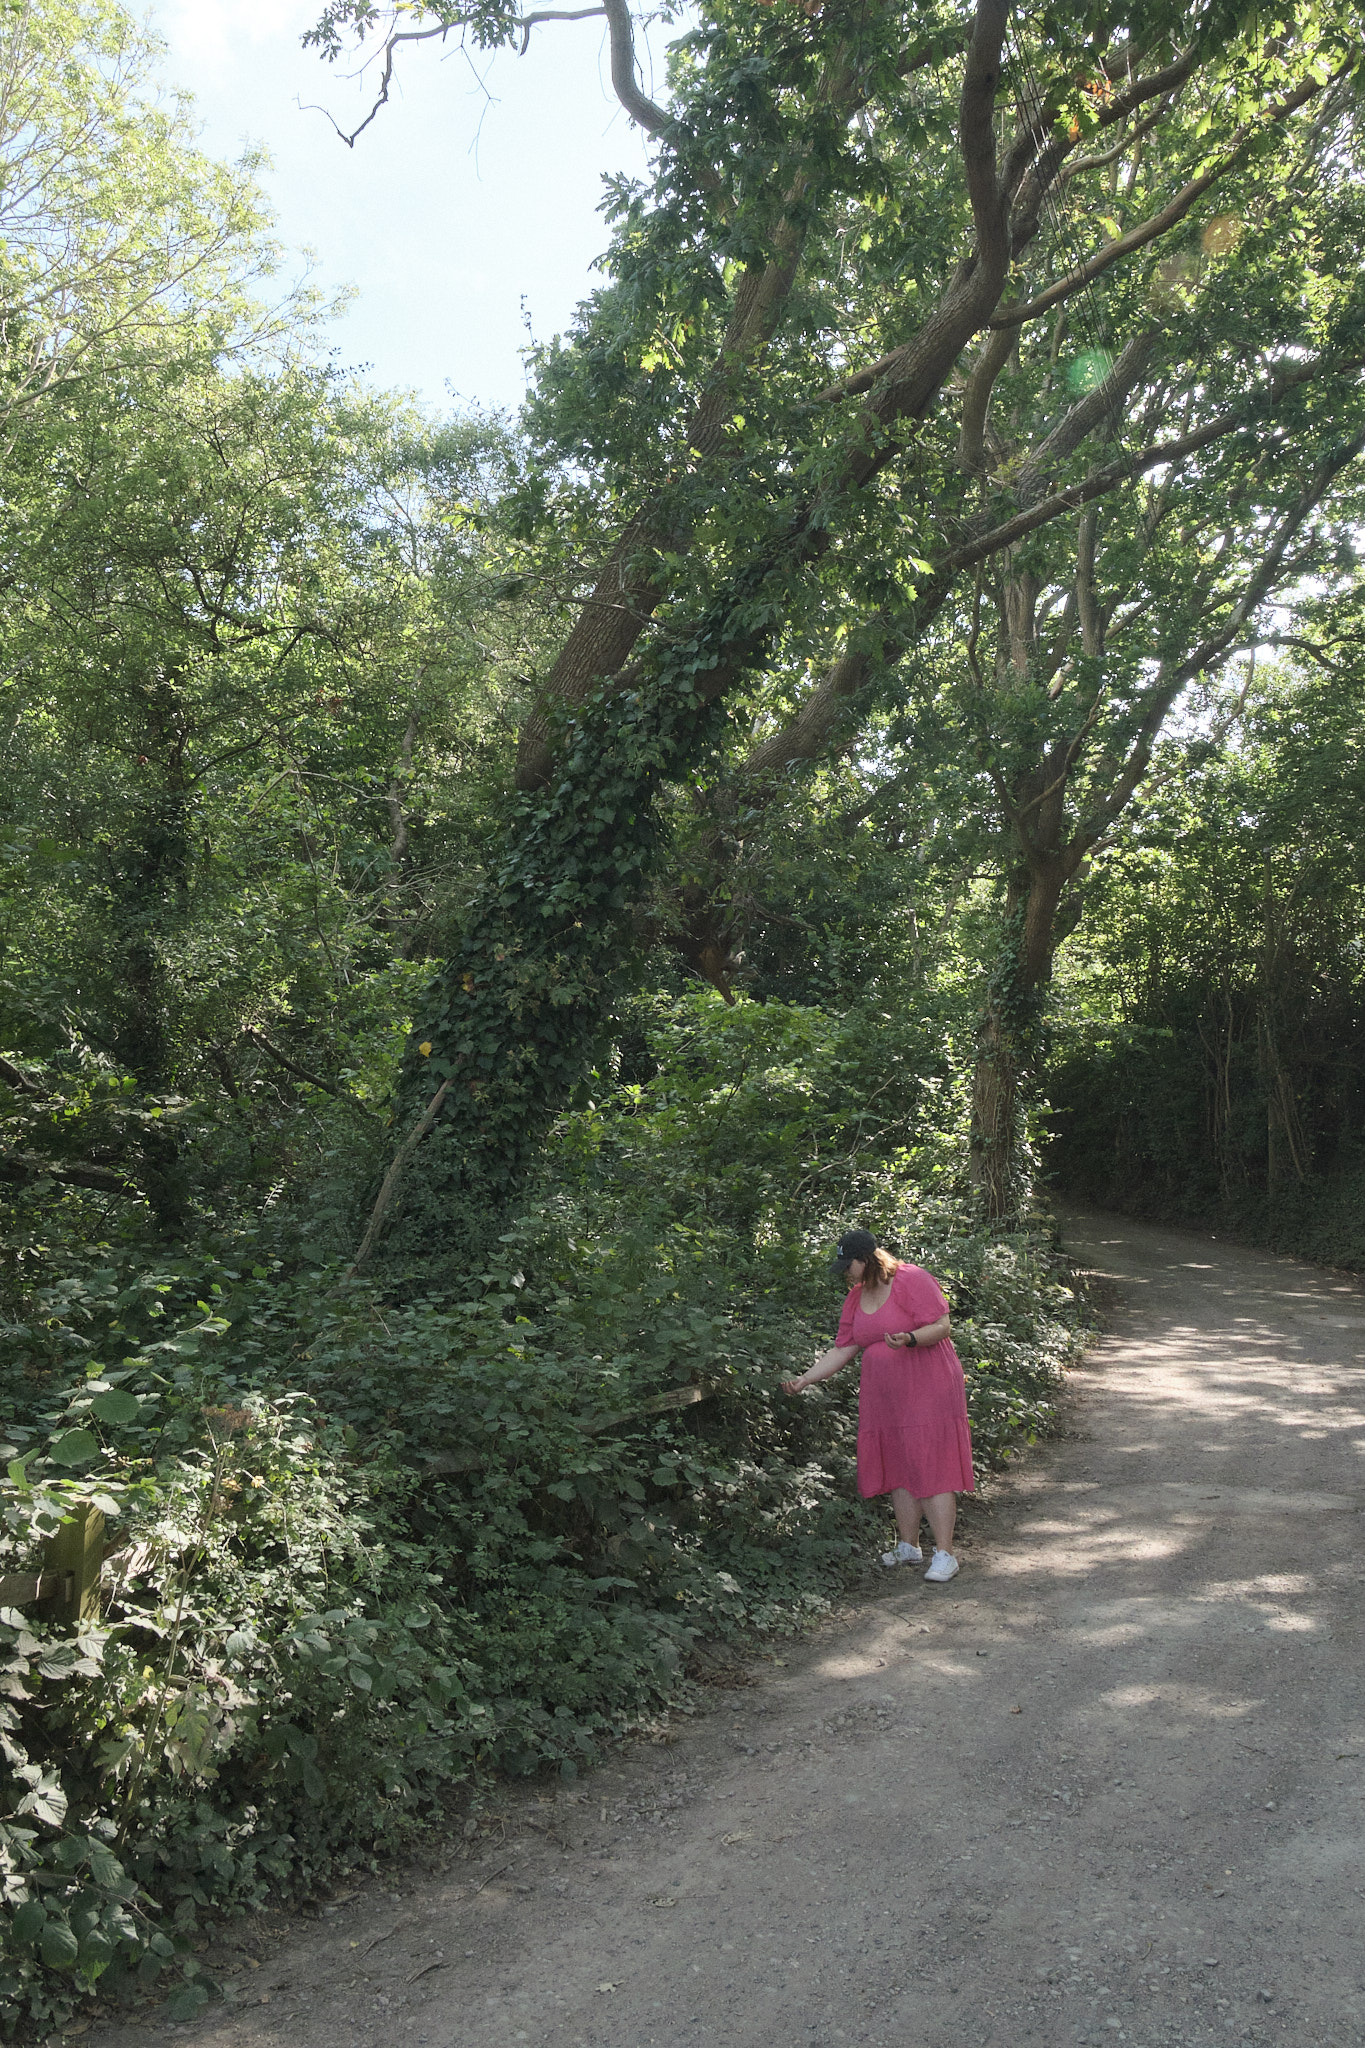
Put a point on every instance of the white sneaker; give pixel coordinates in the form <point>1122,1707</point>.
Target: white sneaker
<point>904,1553</point>
<point>944,1567</point>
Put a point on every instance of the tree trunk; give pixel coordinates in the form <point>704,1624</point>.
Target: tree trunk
<point>150,891</point>
<point>520,1010</point>
<point>995,1108</point>
<point>1007,1031</point>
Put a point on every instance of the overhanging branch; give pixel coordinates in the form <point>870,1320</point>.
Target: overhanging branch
<point>881,638</point>
<point>622,37</point>
<point>25,1167</point>
<point>637,104</point>
<point>1158,224</point>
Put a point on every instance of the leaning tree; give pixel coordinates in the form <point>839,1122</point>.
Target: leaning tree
<point>771,458</point>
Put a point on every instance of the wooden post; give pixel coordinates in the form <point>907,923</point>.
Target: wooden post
<point>76,1554</point>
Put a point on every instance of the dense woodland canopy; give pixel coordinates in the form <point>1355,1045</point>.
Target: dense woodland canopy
<point>877,738</point>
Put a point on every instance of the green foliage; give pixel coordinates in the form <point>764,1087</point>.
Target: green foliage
<point>1207,1058</point>
<point>759,522</point>
<point>511,1019</point>
<point>373,1538</point>
<point>247,763</point>
<point>119,240</point>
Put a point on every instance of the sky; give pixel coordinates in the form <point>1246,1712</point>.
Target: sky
<point>466,209</point>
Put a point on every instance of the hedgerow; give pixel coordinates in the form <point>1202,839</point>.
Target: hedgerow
<point>371,1538</point>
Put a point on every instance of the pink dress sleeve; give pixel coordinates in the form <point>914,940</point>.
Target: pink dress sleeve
<point>845,1334</point>
<point>920,1295</point>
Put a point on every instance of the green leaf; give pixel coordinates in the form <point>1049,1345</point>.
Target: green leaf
<point>75,1448</point>
<point>30,1920</point>
<point>186,2000</point>
<point>58,1946</point>
<point>118,1405</point>
<point>106,1870</point>
<point>48,1801</point>
<point>96,1952</point>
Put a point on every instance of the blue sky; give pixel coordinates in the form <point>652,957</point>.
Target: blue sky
<point>475,188</point>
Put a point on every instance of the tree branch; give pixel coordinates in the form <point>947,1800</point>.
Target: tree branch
<point>302,1074</point>
<point>530,21</point>
<point>1260,583</point>
<point>394,1174</point>
<point>1024,220</point>
<point>630,587</point>
<point>803,737</point>
<point>882,636</point>
<point>848,821</point>
<point>1125,142</point>
<point>976,399</point>
<point>622,34</point>
<point>1158,224</point>
<point>911,377</point>
<point>17,1080</point>
<point>1157,455</point>
<point>76,1173</point>
<point>641,109</point>
<point>1216,645</point>
<point>391,42</point>
<point>1087,414</point>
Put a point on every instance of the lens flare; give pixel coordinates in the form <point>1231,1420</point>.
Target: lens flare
<point>1221,234</point>
<point>1171,275</point>
<point>1088,371</point>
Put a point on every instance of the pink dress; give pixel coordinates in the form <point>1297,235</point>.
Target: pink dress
<point>912,1403</point>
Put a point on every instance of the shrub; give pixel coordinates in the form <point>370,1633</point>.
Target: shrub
<point>374,1537</point>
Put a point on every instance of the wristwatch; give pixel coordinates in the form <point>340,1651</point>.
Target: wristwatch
<point>913,1338</point>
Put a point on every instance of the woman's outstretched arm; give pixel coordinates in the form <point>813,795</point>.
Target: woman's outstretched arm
<point>824,1368</point>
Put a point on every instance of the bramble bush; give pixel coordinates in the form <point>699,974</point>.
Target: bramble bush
<point>373,1536</point>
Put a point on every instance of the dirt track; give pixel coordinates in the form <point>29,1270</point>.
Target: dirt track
<point>1106,1786</point>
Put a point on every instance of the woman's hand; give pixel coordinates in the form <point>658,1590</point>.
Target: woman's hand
<point>897,1339</point>
<point>824,1368</point>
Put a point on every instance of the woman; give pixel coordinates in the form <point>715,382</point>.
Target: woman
<point>913,1438</point>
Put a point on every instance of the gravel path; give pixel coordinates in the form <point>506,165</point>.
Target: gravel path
<point>1106,1786</point>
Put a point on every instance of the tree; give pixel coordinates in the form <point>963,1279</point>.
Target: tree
<point>1207,1057</point>
<point>1061,659</point>
<point>119,240</point>
<point>751,412</point>
<point>242,678</point>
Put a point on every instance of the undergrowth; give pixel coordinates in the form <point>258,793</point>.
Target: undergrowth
<point>370,1538</point>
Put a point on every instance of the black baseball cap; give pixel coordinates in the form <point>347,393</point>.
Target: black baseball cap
<point>854,1244</point>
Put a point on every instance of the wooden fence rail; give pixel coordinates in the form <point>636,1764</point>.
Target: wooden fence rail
<point>67,1583</point>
